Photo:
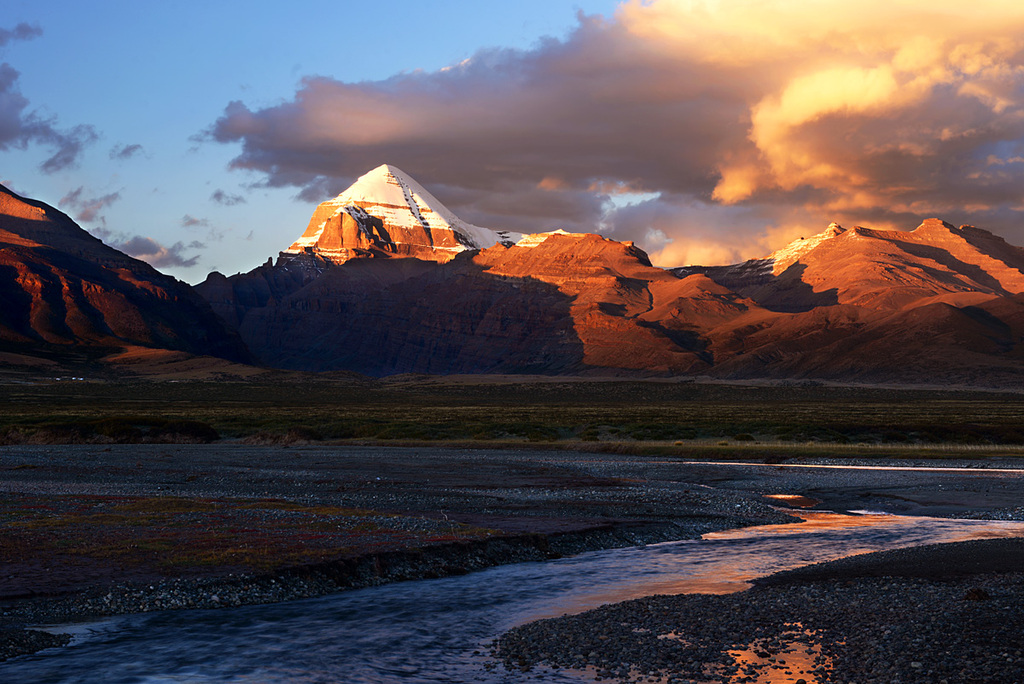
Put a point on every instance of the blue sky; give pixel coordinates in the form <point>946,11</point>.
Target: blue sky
<point>200,136</point>
<point>158,74</point>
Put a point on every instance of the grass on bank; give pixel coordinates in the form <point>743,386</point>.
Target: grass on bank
<point>169,534</point>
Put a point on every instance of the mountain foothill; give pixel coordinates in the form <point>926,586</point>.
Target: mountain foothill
<point>386,280</point>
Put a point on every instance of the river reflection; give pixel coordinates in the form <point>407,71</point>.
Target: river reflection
<point>725,562</point>
<point>432,630</point>
<point>795,655</point>
<point>794,500</point>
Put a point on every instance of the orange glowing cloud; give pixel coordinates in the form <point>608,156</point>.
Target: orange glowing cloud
<point>831,68</point>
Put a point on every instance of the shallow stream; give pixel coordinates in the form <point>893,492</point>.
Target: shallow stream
<point>434,630</point>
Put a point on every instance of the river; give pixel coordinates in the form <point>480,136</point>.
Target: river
<point>434,630</point>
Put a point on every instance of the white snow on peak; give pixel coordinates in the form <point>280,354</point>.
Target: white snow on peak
<point>791,253</point>
<point>535,239</point>
<point>390,194</point>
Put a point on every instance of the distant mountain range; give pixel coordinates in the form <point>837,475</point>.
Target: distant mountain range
<point>386,280</point>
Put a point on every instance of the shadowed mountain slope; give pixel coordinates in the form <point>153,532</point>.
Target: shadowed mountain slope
<point>62,287</point>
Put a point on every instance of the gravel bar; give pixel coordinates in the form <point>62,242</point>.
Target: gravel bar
<point>887,617</point>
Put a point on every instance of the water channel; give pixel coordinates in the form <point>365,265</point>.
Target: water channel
<point>433,630</point>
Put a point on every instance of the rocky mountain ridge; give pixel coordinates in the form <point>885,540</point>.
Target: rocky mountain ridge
<point>880,269</point>
<point>936,305</point>
<point>62,287</point>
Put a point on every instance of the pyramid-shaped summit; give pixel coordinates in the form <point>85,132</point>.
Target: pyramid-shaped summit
<point>387,213</point>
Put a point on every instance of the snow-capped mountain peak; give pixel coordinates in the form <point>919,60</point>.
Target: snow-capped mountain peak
<point>386,212</point>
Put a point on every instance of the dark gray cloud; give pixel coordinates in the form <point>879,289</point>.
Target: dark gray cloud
<point>189,221</point>
<point>228,200</point>
<point>193,223</point>
<point>123,152</point>
<point>156,254</point>
<point>544,128</point>
<point>19,127</point>
<point>14,129</point>
<point>22,31</point>
<point>526,208</point>
<point>69,146</point>
<point>87,209</point>
<point>150,250</point>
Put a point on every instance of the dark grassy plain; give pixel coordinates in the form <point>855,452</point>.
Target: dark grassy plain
<point>648,416</point>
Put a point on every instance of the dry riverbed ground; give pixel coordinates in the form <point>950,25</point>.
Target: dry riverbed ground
<point>90,530</point>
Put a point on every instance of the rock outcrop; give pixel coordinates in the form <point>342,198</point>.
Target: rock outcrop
<point>877,269</point>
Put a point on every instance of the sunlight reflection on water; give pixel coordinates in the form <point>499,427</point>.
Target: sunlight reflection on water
<point>793,655</point>
<point>725,562</point>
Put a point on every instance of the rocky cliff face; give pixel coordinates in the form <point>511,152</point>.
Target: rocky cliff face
<point>61,287</point>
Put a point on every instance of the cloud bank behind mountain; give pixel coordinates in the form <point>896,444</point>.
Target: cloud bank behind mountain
<point>707,132</point>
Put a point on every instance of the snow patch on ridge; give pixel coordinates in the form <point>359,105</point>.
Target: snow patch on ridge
<point>534,239</point>
<point>784,258</point>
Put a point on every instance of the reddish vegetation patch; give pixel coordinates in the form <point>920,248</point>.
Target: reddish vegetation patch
<point>50,544</point>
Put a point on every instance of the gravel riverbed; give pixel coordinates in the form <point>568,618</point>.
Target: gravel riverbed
<point>92,531</point>
<point>533,505</point>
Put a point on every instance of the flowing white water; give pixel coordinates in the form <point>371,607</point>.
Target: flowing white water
<point>433,630</point>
